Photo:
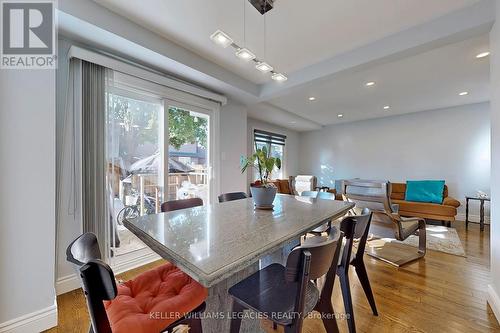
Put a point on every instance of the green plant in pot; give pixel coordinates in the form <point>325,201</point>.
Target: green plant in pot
<point>263,191</point>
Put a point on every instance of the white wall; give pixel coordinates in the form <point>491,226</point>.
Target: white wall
<point>233,144</point>
<point>27,199</point>
<point>451,144</point>
<point>291,163</point>
<point>494,288</point>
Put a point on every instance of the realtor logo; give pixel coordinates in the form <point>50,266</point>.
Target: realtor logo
<point>28,34</point>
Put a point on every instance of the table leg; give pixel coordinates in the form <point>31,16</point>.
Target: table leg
<point>219,303</point>
<point>466,213</point>
<point>481,216</point>
<point>216,318</point>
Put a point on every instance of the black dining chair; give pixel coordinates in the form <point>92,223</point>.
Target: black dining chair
<point>355,259</point>
<point>232,196</point>
<point>121,313</point>
<point>169,206</point>
<point>347,257</point>
<point>286,294</point>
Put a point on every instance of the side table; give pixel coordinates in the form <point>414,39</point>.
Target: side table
<point>481,209</point>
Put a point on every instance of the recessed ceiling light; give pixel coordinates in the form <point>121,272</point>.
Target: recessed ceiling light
<point>463,93</point>
<point>483,54</point>
<point>245,54</point>
<point>293,122</point>
<point>369,84</point>
<point>312,98</point>
<point>278,77</point>
<point>387,107</point>
<point>340,115</point>
<point>221,38</point>
<point>264,67</point>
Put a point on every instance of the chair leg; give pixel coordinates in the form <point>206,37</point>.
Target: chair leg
<point>346,295</point>
<point>236,320</point>
<point>365,283</point>
<point>327,315</point>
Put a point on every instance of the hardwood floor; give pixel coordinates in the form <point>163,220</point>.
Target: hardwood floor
<point>441,293</point>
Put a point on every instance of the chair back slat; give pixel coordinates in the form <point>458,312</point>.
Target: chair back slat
<point>96,278</point>
<point>83,249</point>
<point>323,254</point>
<point>169,206</point>
<point>232,196</point>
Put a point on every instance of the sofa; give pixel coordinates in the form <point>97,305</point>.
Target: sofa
<point>446,211</point>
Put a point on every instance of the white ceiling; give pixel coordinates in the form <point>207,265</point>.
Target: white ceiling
<point>299,33</point>
<point>421,53</point>
<point>425,81</point>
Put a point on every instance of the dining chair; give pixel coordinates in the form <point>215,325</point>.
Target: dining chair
<point>181,204</point>
<point>386,221</point>
<point>286,294</point>
<point>155,301</point>
<point>347,258</point>
<point>232,196</point>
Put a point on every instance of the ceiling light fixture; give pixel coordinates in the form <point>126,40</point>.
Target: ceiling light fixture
<point>483,54</point>
<point>264,67</point>
<point>340,115</point>
<point>221,38</point>
<point>245,54</point>
<point>312,98</point>
<point>387,107</point>
<point>369,84</point>
<point>279,77</point>
<point>463,93</point>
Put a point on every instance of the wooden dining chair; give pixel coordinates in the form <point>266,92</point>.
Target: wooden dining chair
<point>286,294</point>
<point>155,301</point>
<point>181,204</point>
<point>232,196</point>
<point>386,221</point>
<point>347,257</point>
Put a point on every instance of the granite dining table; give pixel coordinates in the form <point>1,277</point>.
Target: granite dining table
<point>220,244</point>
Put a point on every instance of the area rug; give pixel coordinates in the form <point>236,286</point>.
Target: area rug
<point>439,238</point>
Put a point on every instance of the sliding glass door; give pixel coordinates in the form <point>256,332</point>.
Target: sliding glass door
<point>158,149</point>
<point>189,152</point>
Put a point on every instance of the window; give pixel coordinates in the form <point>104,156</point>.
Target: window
<point>275,144</point>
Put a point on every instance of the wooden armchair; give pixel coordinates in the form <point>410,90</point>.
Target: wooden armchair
<point>386,222</point>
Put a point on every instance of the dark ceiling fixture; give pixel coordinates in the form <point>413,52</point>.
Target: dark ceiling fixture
<point>262,6</point>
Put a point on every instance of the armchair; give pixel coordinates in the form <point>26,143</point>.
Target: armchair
<point>386,221</point>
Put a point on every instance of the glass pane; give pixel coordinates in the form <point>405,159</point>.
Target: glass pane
<point>135,164</point>
<point>188,155</point>
<point>277,151</point>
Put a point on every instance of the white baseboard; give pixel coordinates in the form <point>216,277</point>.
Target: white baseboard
<point>34,322</point>
<point>472,218</point>
<point>70,282</point>
<point>494,301</point>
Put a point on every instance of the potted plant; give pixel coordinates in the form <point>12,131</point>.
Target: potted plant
<point>263,191</point>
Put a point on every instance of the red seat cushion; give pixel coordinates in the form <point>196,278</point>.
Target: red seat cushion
<point>154,300</point>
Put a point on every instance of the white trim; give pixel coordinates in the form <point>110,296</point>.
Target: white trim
<point>123,67</point>
<point>494,301</point>
<point>70,282</point>
<point>472,218</point>
<point>35,322</point>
